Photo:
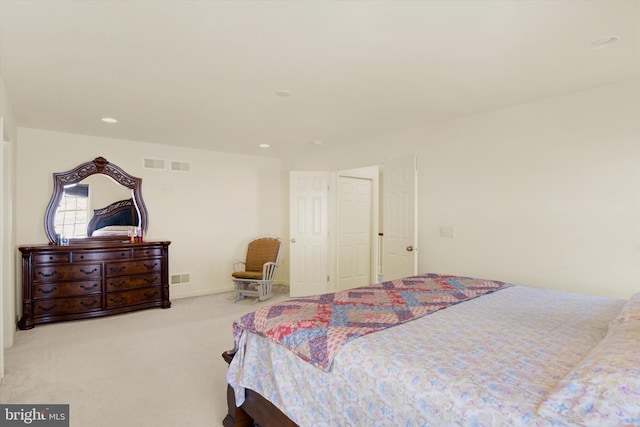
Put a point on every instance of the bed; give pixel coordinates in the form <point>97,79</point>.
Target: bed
<point>116,219</point>
<point>483,353</point>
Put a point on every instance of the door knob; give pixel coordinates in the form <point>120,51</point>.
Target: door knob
<point>409,248</point>
<point>293,240</point>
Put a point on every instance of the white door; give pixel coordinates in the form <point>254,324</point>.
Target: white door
<point>354,232</point>
<point>308,195</point>
<point>400,227</point>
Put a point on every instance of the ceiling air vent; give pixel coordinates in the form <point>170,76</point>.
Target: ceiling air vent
<point>153,164</point>
<point>180,166</point>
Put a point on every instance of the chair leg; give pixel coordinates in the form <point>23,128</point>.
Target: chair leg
<point>264,291</point>
<point>239,295</point>
<point>242,289</point>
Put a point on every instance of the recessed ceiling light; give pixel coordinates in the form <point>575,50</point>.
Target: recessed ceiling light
<point>604,42</point>
<point>283,92</point>
<point>109,120</point>
<point>317,142</point>
<point>264,145</point>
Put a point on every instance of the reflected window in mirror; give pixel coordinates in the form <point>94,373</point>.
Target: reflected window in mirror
<point>72,215</point>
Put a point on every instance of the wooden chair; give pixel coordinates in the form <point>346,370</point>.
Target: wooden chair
<point>254,276</point>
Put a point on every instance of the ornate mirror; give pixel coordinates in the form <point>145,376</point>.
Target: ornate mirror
<point>97,201</point>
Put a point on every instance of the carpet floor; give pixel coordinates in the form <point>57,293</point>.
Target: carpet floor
<point>149,368</point>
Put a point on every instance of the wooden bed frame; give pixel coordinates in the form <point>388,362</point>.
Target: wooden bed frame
<point>256,410</point>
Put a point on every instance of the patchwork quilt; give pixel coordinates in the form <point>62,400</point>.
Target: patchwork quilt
<point>315,328</point>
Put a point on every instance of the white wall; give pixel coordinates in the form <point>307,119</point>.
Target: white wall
<point>545,193</point>
<point>7,233</point>
<point>209,214</point>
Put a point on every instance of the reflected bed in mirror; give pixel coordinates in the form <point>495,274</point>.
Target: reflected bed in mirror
<point>117,219</point>
<point>96,200</point>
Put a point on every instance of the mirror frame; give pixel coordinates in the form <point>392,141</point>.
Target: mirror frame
<point>99,165</point>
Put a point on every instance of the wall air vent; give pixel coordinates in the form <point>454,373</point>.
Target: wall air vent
<point>154,164</point>
<point>180,166</point>
<point>180,279</point>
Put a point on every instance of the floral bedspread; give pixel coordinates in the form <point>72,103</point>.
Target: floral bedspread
<point>315,328</point>
<point>489,361</point>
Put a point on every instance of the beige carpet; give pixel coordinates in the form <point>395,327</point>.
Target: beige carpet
<point>150,368</point>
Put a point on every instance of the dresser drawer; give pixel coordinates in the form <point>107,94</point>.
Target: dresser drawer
<point>101,256</point>
<point>133,267</point>
<point>139,296</point>
<point>147,253</point>
<point>66,272</point>
<point>66,289</point>
<point>51,257</point>
<point>66,305</point>
<point>120,283</point>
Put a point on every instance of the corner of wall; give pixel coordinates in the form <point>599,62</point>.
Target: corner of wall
<point>8,138</point>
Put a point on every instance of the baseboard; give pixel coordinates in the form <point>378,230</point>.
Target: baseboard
<point>176,294</point>
<point>199,293</point>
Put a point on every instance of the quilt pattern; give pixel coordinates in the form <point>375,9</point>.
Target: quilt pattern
<point>315,328</point>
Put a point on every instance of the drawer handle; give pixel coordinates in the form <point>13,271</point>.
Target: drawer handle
<point>118,285</point>
<point>148,295</point>
<point>116,300</point>
<point>151,280</point>
<point>123,254</point>
<point>150,267</point>
<point>90,304</point>
<point>88,288</point>
<point>88,272</point>
<point>117,270</point>
<point>47,308</point>
<point>53,273</point>
<point>49,291</point>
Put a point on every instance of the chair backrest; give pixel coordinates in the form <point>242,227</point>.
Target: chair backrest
<point>260,251</point>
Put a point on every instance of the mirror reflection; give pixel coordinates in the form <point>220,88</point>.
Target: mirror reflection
<point>95,207</point>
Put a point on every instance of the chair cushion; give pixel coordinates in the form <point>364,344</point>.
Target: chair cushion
<point>248,275</point>
<point>261,251</point>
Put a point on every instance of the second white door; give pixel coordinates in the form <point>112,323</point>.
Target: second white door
<point>354,232</point>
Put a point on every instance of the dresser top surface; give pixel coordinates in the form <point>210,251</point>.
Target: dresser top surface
<point>91,246</point>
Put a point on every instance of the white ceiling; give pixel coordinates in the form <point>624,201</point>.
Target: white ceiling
<point>205,73</point>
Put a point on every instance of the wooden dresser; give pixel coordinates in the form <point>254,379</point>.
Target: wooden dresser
<point>85,280</point>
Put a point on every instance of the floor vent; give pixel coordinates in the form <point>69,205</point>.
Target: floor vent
<point>154,164</point>
<point>179,279</point>
<point>180,166</point>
